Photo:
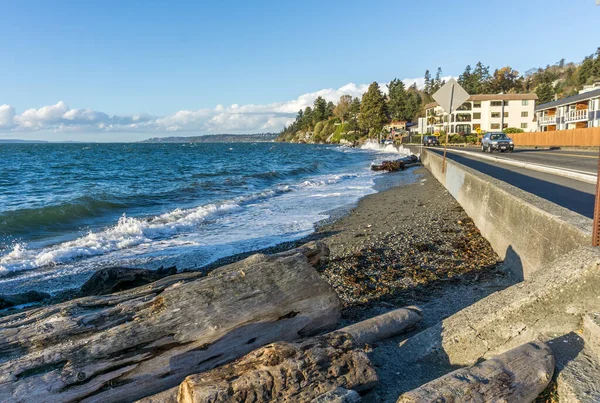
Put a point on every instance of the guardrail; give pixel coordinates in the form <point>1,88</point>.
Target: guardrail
<point>589,137</point>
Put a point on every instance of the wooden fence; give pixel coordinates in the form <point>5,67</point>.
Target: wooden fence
<point>589,137</point>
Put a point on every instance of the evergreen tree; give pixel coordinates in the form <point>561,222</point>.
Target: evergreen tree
<point>307,119</point>
<point>482,79</point>
<point>319,109</point>
<point>428,82</point>
<point>545,92</point>
<point>397,100</point>
<point>330,108</point>
<point>373,111</point>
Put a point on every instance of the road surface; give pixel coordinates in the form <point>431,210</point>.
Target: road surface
<point>573,194</point>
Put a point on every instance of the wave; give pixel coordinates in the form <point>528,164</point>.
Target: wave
<point>55,216</point>
<point>373,145</point>
<point>308,169</point>
<point>127,233</point>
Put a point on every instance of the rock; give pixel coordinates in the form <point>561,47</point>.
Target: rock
<point>338,395</point>
<point>10,300</point>
<point>285,372</point>
<point>115,279</point>
<point>519,375</point>
<point>396,165</point>
<point>139,342</point>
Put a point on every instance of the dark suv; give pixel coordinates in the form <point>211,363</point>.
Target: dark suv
<point>431,141</point>
<point>497,142</point>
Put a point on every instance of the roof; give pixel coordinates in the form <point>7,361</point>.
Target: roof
<point>494,97</point>
<point>569,100</point>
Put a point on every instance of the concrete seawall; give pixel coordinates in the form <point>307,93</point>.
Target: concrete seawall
<point>526,231</point>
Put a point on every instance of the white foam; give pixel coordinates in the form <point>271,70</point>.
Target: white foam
<point>373,145</point>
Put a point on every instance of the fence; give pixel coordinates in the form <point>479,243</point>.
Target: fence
<point>589,137</point>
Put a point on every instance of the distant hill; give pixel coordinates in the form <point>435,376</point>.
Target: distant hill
<point>216,138</point>
<point>21,141</point>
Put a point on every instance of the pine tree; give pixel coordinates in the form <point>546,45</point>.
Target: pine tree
<point>319,109</point>
<point>373,111</point>
<point>428,83</point>
<point>342,109</point>
<point>545,92</point>
<point>397,100</point>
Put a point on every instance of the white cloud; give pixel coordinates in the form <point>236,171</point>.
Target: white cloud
<point>235,118</point>
<point>7,114</point>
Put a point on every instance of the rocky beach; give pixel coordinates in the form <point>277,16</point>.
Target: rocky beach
<point>410,244</point>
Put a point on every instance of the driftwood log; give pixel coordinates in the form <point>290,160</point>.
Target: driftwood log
<point>139,342</point>
<point>285,372</point>
<point>519,375</point>
<point>396,165</point>
<point>384,326</point>
<point>298,372</point>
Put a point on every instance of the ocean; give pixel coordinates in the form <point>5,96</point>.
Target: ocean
<point>67,210</point>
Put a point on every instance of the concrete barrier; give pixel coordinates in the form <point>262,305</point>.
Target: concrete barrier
<point>526,231</point>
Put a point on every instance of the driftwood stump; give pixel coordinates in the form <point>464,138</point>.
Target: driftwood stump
<point>139,342</point>
<point>519,375</point>
<point>314,369</point>
<point>284,372</point>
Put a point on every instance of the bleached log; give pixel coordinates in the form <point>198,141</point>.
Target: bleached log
<point>139,342</point>
<point>285,372</point>
<point>384,326</point>
<point>290,372</point>
<point>519,375</point>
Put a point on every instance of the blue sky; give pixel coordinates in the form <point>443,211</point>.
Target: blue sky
<point>185,63</point>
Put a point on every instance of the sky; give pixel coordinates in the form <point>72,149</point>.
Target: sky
<point>129,70</point>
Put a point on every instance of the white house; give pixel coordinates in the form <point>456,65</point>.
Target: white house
<point>575,112</point>
<point>488,112</point>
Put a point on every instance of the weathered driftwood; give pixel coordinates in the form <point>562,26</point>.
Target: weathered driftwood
<point>396,165</point>
<point>246,378</point>
<point>284,372</point>
<point>139,342</point>
<point>338,395</point>
<point>384,326</point>
<point>519,375</point>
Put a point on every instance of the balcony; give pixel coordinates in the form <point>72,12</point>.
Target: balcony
<point>574,116</point>
<point>547,120</point>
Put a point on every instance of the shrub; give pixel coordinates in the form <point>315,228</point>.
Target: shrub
<point>510,130</point>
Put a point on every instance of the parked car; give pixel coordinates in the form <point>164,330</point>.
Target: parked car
<point>431,141</point>
<point>497,141</point>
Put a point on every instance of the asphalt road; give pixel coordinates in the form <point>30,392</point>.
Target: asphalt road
<point>569,193</point>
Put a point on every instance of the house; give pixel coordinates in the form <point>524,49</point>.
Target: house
<point>487,112</point>
<point>396,126</point>
<point>574,112</point>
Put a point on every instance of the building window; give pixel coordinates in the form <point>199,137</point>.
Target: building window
<point>496,103</point>
<point>523,125</point>
<point>524,114</point>
<point>525,102</point>
<point>505,114</point>
<point>477,104</point>
<point>463,117</point>
<point>495,126</point>
<point>476,115</point>
<point>495,114</point>
<point>465,107</point>
<point>505,126</point>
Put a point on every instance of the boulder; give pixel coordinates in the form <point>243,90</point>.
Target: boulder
<point>115,279</point>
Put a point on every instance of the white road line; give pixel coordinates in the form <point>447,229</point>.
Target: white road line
<point>564,172</point>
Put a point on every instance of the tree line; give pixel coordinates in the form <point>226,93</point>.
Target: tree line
<point>353,118</point>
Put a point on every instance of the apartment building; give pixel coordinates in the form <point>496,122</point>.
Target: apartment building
<point>488,112</point>
<point>576,112</point>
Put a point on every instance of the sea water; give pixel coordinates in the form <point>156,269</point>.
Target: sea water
<point>67,210</point>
